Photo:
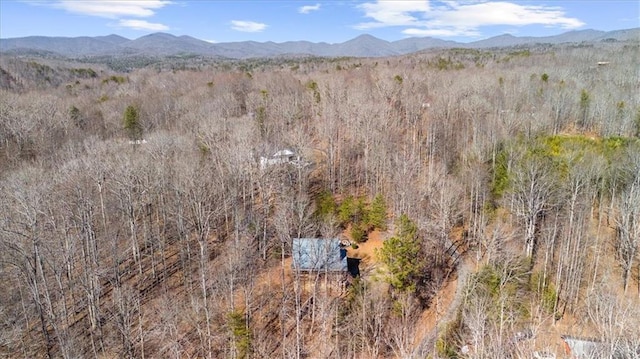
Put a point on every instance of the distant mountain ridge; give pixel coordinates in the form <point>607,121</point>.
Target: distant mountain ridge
<point>163,44</point>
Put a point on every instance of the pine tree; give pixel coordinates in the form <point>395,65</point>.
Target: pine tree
<point>132,123</point>
<point>401,255</point>
<point>346,210</point>
<point>76,117</point>
<point>585,101</point>
<point>378,213</point>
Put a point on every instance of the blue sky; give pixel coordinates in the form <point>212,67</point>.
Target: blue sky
<point>329,21</point>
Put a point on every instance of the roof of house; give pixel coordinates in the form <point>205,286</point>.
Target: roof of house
<point>319,254</point>
<point>284,153</point>
<point>593,348</point>
<point>581,347</point>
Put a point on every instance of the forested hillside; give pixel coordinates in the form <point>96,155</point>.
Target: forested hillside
<point>490,197</point>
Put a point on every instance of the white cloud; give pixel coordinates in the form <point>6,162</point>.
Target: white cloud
<point>142,25</point>
<point>439,32</point>
<point>456,18</point>
<point>247,26</point>
<point>503,13</point>
<point>112,8</point>
<point>392,13</point>
<point>120,10</point>
<point>308,8</point>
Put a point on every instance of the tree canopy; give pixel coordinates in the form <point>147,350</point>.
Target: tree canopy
<point>401,255</point>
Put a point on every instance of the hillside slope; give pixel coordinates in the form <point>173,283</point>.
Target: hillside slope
<point>487,198</point>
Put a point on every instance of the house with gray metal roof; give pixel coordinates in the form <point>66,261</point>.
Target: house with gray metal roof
<point>319,255</point>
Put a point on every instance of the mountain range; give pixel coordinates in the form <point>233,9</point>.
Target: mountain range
<point>163,44</point>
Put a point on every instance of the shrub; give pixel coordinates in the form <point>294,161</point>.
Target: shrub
<point>241,334</point>
<point>545,290</point>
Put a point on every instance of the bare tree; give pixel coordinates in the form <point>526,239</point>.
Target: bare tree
<point>532,190</point>
<point>23,238</point>
<point>400,329</point>
<point>628,221</point>
<point>614,319</point>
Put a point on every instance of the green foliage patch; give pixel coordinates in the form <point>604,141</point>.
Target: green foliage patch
<point>115,79</point>
<point>241,334</point>
<point>132,124</point>
<point>326,205</point>
<point>313,86</point>
<point>377,215</point>
<point>560,153</point>
<point>362,216</point>
<point>447,343</point>
<point>505,284</point>
<point>545,291</point>
<point>84,73</point>
<point>401,255</point>
<point>442,63</point>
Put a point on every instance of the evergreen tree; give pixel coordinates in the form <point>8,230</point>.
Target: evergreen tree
<point>326,205</point>
<point>585,101</point>
<point>401,255</point>
<point>346,210</point>
<point>132,123</point>
<point>378,213</point>
<point>76,117</point>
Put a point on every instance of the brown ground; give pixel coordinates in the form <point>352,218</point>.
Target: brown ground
<point>431,316</point>
<point>547,333</point>
<point>366,250</point>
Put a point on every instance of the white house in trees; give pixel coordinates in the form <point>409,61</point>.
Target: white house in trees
<point>285,156</point>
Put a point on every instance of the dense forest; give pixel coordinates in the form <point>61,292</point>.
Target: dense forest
<point>491,198</point>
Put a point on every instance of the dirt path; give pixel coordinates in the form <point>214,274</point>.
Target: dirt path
<point>445,303</point>
<point>444,309</point>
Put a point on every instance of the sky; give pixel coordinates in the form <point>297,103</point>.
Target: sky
<point>317,21</point>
